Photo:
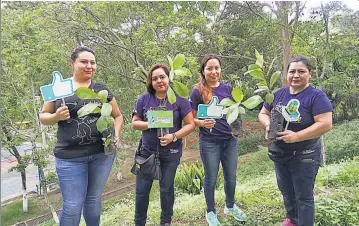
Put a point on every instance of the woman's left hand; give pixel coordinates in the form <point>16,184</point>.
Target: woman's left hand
<point>166,139</point>
<point>116,141</point>
<point>288,136</point>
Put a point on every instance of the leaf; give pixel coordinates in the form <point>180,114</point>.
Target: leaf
<point>257,73</point>
<point>170,61</point>
<point>252,102</point>
<point>253,67</point>
<point>232,115</point>
<point>259,58</point>
<point>178,61</point>
<point>104,122</point>
<point>171,96</point>
<point>172,75</point>
<point>274,78</point>
<point>103,94</point>
<point>86,93</point>
<point>269,98</point>
<point>242,111</point>
<point>182,72</point>
<point>261,90</point>
<point>271,65</point>
<point>237,94</point>
<point>181,89</point>
<point>87,109</point>
<point>227,102</point>
<point>262,83</point>
<point>106,109</point>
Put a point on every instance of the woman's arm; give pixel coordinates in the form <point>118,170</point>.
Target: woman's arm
<point>116,114</point>
<point>323,123</point>
<point>184,131</point>
<point>138,124</point>
<point>49,117</point>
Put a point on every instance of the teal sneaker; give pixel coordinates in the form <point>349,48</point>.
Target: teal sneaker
<point>235,212</point>
<point>212,219</point>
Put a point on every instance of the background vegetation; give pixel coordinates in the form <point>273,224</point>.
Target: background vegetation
<point>128,37</point>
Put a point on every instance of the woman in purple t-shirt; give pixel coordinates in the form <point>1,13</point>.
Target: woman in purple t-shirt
<point>217,144</point>
<point>170,148</point>
<point>296,149</point>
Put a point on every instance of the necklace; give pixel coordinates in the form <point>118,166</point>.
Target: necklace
<point>161,102</point>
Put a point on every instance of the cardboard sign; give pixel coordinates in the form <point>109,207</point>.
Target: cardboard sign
<point>160,119</point>
<point>212,110</point>
<point>59,88</point>
<point>291,111</point>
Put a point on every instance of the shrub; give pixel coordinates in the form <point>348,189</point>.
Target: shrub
<point>342,142</point>
<point>190,178</point>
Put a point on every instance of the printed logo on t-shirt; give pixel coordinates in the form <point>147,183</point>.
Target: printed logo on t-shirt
<point>174,151</point>
<point>291,111</point>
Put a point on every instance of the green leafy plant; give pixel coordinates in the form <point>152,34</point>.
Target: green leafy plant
<point>177,70</point>
<point>235,108</point>
<point>105,123</point>
<point>267,81</point>
<point>190,178</point>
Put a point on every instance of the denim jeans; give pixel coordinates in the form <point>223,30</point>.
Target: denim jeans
<point>82,181</point>
<point>214,152</point>
<point>295,179</point>
<point>167,196</point>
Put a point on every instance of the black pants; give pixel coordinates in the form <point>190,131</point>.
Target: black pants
<point>295,179</point>
<point>143,188</point>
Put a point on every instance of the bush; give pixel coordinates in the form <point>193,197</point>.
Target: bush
<point>250,142</point>
<point>342,142</point>
<point>190,178</point>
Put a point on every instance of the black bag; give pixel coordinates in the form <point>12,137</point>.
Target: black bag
<point>146,167</point>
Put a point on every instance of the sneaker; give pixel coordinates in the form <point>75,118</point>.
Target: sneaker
<point>287,222</point>
<point>212,219</point>
<point>235,212</point>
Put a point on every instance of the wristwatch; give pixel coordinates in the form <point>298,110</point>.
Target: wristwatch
<point>174,137</point>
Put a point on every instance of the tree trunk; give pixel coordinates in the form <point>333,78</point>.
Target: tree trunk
<point>24,193</point>
<point>285,38</point>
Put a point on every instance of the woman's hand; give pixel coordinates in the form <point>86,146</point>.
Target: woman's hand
<point>166,139</point>
<point>267,132</point>
<point>288,136</point>
<point>62,113</point>
<point>116,141</point>
<point>208,123</point>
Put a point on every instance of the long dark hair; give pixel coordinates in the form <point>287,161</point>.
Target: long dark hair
<point>204,89</point>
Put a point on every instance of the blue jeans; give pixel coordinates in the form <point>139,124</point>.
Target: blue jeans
<point>167,195</point>
<point>295,179</point>
<point>214,152</point>
<point>82,181</point>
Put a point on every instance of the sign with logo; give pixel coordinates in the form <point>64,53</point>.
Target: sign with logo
<point>160,119</point>
<point>212,110</point>
<point>59,88</point>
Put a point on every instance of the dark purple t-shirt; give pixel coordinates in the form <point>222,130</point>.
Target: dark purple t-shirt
<point>149,137</point>
<point>221,129</point>
<point>313,102</point>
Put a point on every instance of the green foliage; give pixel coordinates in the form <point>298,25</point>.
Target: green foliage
<point>342,142</point>
<point>266,83</point>
<point>190,178</point>
<point>106,120</point>
<point>177,71</point>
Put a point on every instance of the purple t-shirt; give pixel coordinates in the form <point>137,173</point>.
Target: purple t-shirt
<point>149,137</point>
<point>221,129</point>
<point>313,102</point>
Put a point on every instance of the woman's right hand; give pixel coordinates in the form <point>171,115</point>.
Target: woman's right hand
<point>62,113</point>
<point>208,123</point>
